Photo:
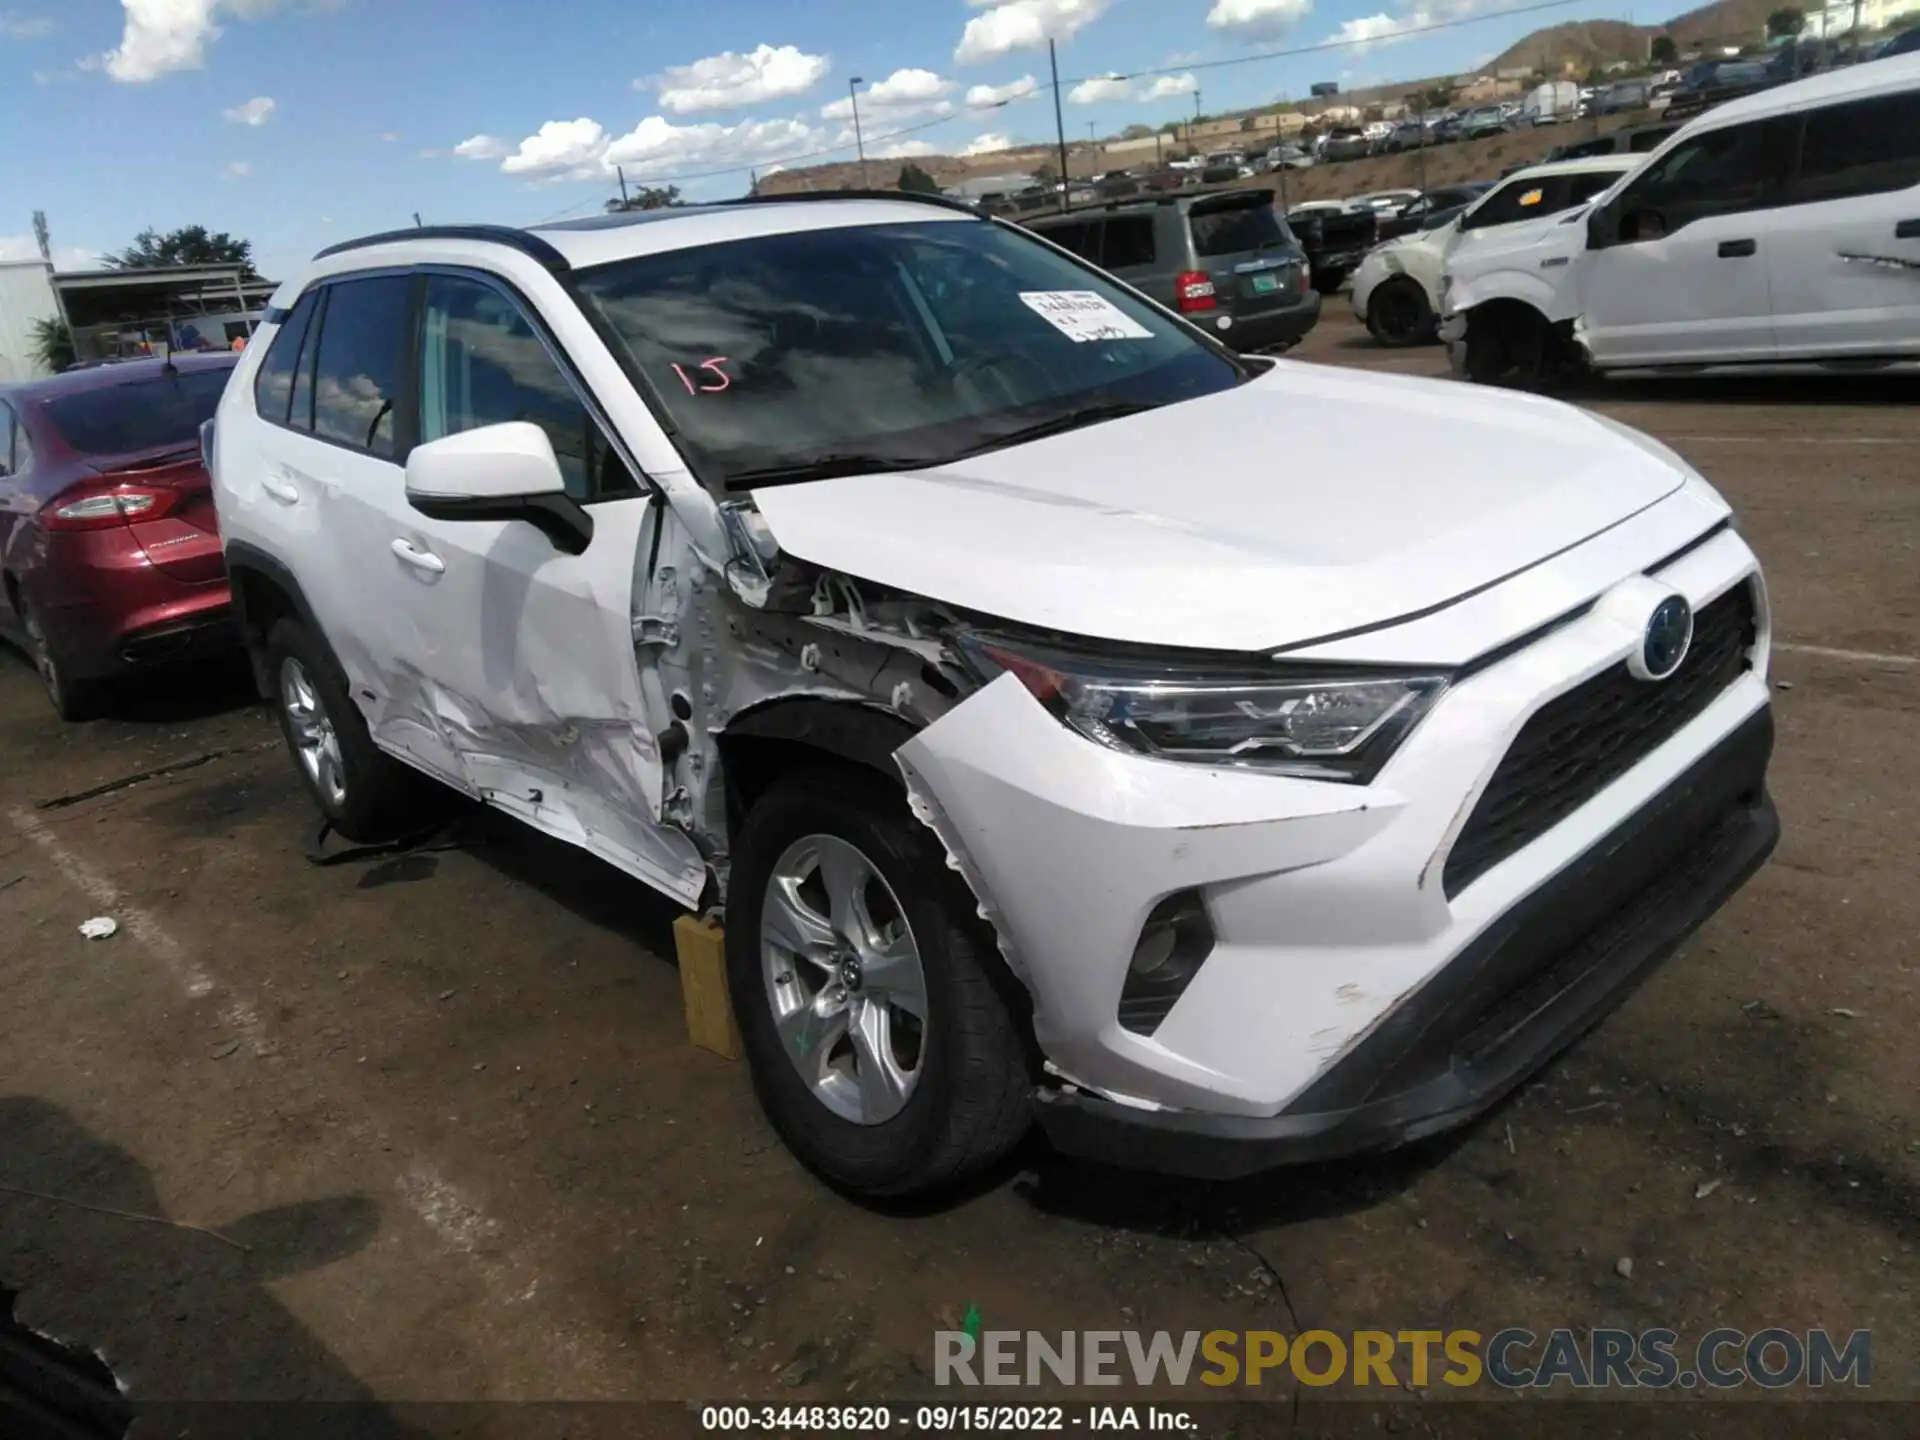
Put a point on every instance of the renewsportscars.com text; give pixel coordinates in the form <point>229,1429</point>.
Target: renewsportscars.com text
<point>1512,1358</point>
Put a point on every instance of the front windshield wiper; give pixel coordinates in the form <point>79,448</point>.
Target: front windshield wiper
<point>1059,424</point>
<point>825,467</point>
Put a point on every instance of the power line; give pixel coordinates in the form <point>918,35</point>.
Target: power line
<point>1253,59</point>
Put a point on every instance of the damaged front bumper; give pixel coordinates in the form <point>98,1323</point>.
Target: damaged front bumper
<point>1352,996</point>
<point>1553,966</point>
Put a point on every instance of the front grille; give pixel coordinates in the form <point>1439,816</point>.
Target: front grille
<point>1581,742</point>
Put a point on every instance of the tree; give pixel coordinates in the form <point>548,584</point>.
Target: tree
<point>1664,51</point>
<point>1137,132</point>
<point>646,197</point>
<point>53,344</point>
<point>1785,23</point>
<point>1439,97</point>
<point>189,245</point>
<point>1046,175</point>
<point>914,180</point>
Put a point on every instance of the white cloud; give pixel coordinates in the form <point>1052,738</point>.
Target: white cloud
<point>560,149</point>
<point>1257,19</point>
<point>906,150</point>
<point>987,144</point>
<point>1023,25</point>
<point>1169,87</point>
<point>729,80</point>
<point>901,96</point>
<point>980,97</point>
<point>14,26</point>
<point>483,147</point>
<point>256,111</point>
<point>238,169</point>
<point>656,148</point>
<point>1363,32</point>
<point>1108,89</point>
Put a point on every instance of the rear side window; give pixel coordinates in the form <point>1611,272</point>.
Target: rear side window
<point>1867,147</point>
<point>1129,241</point>
<point>273,386</point>
<point>1239,228</point>
<point>356,379</point>
<point>1082,237</point>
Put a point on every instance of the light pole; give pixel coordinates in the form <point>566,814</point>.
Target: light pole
<point>859,142</point>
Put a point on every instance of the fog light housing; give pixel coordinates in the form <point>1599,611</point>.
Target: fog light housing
<point>1174,942</point>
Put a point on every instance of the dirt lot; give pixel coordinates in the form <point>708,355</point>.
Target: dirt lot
<point>445,1101</point>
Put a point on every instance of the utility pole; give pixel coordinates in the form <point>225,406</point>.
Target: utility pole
<point>621,171</point>
<point>858,140</point>
<point>416,221</point>
<point>1059,122</point>
<point>1856,32</point>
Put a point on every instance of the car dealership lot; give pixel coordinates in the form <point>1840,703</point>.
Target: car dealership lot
<point>446,1100</point>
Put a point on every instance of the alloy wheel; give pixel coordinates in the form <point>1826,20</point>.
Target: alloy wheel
<point>315,742</point>
<point>844,979</point>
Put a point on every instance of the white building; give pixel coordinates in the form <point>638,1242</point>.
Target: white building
<point>26,295</point>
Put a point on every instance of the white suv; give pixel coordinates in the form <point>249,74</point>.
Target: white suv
<point>1783,226</point>
<point>988,643</point>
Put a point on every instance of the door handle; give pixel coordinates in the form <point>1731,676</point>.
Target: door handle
<point>1907,230</point>
<point>280,490</point>
<point>420,559</point>
<point>1736,249</point>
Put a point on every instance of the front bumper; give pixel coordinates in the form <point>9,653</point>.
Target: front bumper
<point>1328,903</point>
<point>1550,968</point>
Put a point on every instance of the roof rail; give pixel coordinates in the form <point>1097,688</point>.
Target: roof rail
<point>912,197</point>
<point>532,246</point>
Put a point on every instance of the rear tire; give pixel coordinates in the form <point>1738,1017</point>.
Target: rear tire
<point>805,1014</point>
<point>73,698</point>
<point>365,795</point>
<point>1399,314</point>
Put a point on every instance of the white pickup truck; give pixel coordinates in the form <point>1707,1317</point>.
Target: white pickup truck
<point>1783,226</point>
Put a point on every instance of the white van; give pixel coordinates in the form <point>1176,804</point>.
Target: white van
<point>1784,226</point>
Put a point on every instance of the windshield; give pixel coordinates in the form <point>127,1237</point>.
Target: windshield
<point>1239,226</point>
<point>886,346</point>
<point>144,415</point>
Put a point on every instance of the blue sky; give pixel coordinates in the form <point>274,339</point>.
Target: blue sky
<point>298,122</point>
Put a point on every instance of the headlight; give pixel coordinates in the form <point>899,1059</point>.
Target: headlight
<point>1322,724</point>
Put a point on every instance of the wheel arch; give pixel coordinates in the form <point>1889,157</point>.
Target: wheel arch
<point>264,591</point>
<point>770,739</point>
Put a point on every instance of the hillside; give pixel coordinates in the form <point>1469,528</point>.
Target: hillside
<point>1576,47</point>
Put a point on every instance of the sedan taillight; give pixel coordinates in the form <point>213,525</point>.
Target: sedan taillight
<point>103,507</point>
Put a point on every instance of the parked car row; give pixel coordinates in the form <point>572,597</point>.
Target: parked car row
<point>1780,226</point>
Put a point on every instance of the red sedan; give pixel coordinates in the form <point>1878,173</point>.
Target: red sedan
<point>109,551</point>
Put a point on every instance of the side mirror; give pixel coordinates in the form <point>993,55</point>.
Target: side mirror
<point>498,472</point>
<point>1600,227</point>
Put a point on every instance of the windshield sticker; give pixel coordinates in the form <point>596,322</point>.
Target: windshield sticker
<point>714,373</point>
<point>1532,197</point>
<point>1081,315</point>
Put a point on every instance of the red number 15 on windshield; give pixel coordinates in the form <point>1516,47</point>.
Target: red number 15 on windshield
<point>713,371</point>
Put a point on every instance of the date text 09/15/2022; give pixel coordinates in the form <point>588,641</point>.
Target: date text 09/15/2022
<point>942,1419</point>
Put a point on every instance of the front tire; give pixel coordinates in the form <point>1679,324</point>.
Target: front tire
<point>1510,347</point>
<point>1399,314</point>
<point>882,1047</point>
<point>365,795</point>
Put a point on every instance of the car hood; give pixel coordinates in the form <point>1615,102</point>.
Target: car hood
<point>1306,504</point>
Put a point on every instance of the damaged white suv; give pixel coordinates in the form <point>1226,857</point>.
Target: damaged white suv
<point>993,646</point>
